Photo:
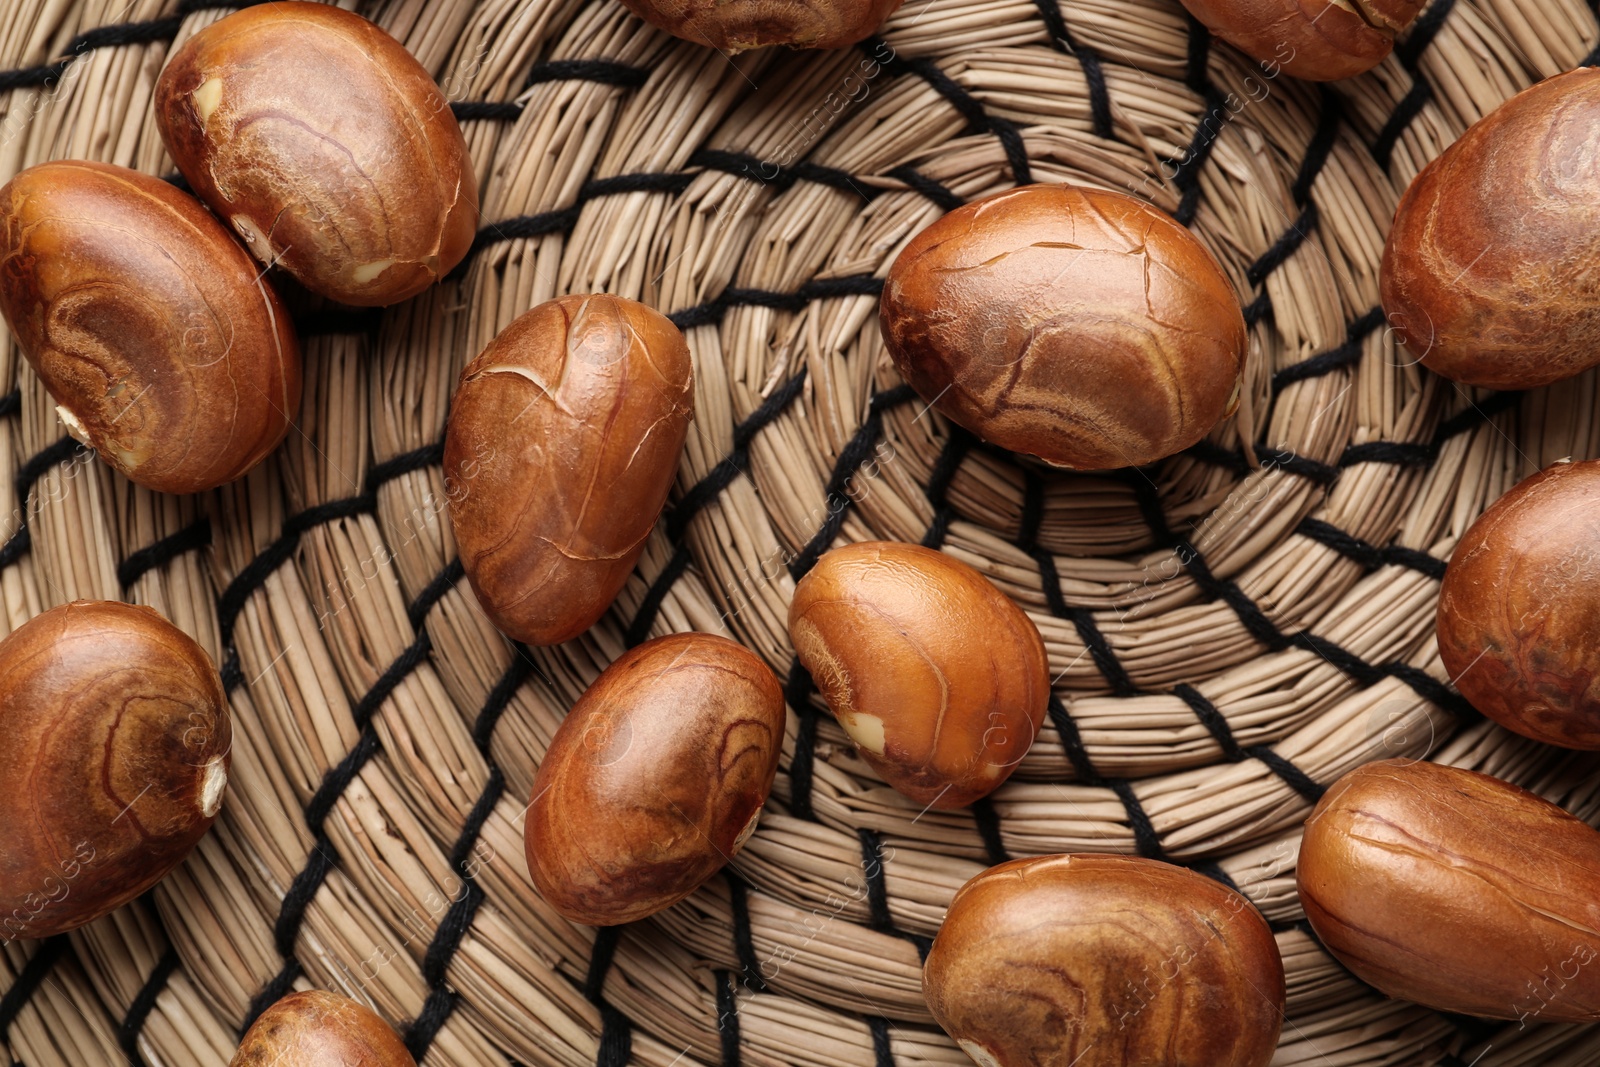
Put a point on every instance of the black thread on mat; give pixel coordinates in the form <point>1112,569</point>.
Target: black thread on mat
<point>733,465</point>
<point>1285,246</point>
<point>606,71</point>
<point>1260,627</point>
<point>616,1032</point>
<point>1409,52</point>
<point>21,542</point>
<point>709,488</point>
<point>882,1048</point>
<point>11,403</point>
<point>1423,32</point>
<point>851,457</point>
<point>1094,73</point>
<point>322,858</point>
<point>711,312</point>
<point>274,991</point>
<point>1400,453</point>
<point>1346,354</point>
<point>782,178</point>
<point>978,120</point>
<point>517,673</point>
<point>191,538</point>
<point>561,220</point>
<point>797,694</point>
<point>1217,724</point>
<point>744,942</point>
<point>143,1004</point>
<point>1082,619</point>
<point>442,1001</point>
<point>32,976</point>
<point>639,629</point>
<point>1258,310</point>
<point>1368,555</point>
<point>988,821</point>
<point>1330,116</point>
<point>486,110</point>
<point>878,914</point>
<point>932,190</point>
<point>956,448</point>
<point>41,462</point>
<point>728,1018</point>
<point>1197,65</point>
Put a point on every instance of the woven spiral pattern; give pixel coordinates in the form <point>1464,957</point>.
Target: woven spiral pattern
<point>1230,630</point>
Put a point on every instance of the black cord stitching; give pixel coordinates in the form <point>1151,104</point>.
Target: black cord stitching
<point>1347,354</point>
<point>1423,31</point>
<point>882,1047</point>
<point>271,993</point>
<point>1409,52</point>
<point>143,1004</point>
<point>1258,310</point>
<point>797,693</point>
<point>1405,113</point>
<point>988,821</point>
<point>781,179</point>
<point>855,453</point>
<point>1082,619</point>
<point>191,538</point>
<point>494,706</point>
<point>744,943</point>
<point>879,917</point>
<point>1368,555</point>
<point>956,448</point>
<point>1217,725</point>
<point>932,190</point>
<point>32,976</point>
<point>708,489</point>
<point>616,1032</point>
<point>486,110</point>
<point>1267,633</point>
<point>1285,246</point>
<point>62,451</point>
<point>1094,72</point>
<point>711,312</point>
<point>1197,68</point>
<point>1186,177</point>
<point>1400,453</point>
<point>562,220</point>
<point>1330,116</point>
<point>607,71</point>
<point>728,1019</point>
<point>639,629</point>
<point>21,542</point>
<point>978,120</point>
<point>443,1001</point>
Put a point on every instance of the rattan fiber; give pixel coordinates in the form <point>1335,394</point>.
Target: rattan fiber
<point>1232,629</point>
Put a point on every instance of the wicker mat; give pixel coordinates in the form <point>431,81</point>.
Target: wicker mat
<point>1231,629</point>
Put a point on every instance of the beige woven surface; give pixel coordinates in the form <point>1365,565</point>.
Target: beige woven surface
<point>321,630</point>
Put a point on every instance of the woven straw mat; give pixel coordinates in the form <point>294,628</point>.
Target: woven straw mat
<point>1232,629</point>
